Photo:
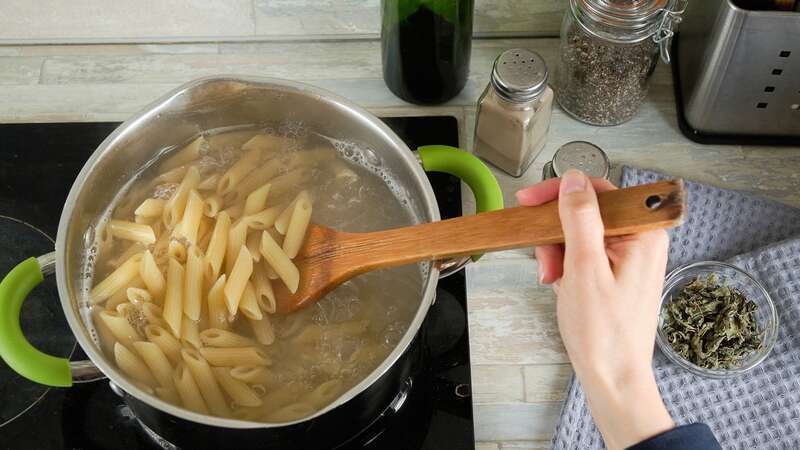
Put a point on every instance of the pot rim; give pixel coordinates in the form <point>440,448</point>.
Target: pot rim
<point>430,207</point>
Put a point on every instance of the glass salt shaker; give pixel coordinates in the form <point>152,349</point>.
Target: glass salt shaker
<point>513,114</point>
<point>581,155</point>
<point>609,50</point>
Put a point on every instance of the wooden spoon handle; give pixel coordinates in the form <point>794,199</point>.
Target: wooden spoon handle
<point>624,211</point>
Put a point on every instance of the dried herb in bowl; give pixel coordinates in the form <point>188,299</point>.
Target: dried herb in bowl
<point>711,324</point>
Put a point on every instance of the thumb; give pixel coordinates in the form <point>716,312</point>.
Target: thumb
<point>580,219</point>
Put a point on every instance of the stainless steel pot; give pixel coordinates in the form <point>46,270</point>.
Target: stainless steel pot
<point>204,104</point>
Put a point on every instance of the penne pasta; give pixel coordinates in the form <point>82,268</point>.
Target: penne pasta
<point>121,296</point>
<point>119,326</point>
<point>189,153</point>
<point>281,263</point>
<point>172,176</point>
<point>253,375</point>
<point>115,281</point>
<point>268,143</point>
<point>282,222</point>
<point>235,356</point>
<point>262,330</point>
<point>192,214</point>
<point>169,395</point>
<point>237,238</point>
<point>215,337</point>
<point>146,221</point>
<point>177,251</point>
<point>298,224</point>
<point>262,219</point>
<point>156,361</point>
<point>289,393</point>
<point>173,298</point>
<point>217,246</point>
<point>151,207</point>
<point>217,309</point>
<point>248,304</point>
<point>188,391</point>
<point>238,170</point>
<point>253,244</point>
<point>137,296</point>
<point>153,314</point>
<point>291,412</point>
<point>132,365</point>
<point>237,281</point>
<point>265,296</point>
<point>344,173</point>
<point>173,209</point>
<point>238,391</point>
<point>193,284</point>
<point>325,393</point>
<point>133,249</point>
<point>235,211</point>
<point>212,205</point>
<point>256,200</point>
<point>104,333</point>
<point>281,185</point>
<point>151,276</point>
<point>271,274</point>
<point>209,183</point>
<point>165,341</point>
<point>204,229</point>
<point>206,381</point>
<point>229,139</point>
<point>190,333</point>
<point>184,296</point>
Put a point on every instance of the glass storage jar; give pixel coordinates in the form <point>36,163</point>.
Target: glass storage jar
<point>609,50</point>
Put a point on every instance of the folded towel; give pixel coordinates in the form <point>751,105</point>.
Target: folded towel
<point>758,410</point>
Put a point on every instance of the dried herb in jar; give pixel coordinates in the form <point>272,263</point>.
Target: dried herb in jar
<point>711,324</point>
<point>603,83</point>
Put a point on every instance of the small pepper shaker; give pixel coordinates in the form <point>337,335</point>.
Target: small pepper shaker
<point>513,114</point>
<point>581,155</point>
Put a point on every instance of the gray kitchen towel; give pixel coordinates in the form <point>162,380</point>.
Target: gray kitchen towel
<point>761,409</point>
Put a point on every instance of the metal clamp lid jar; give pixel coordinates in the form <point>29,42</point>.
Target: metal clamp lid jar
<point>609,49</point>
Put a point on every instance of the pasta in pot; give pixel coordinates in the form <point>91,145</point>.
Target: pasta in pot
<point>183,297</point>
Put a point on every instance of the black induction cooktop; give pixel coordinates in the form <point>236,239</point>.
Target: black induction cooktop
<point>38,163</point>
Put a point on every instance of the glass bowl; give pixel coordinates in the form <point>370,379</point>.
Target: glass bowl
<point>766,315</point>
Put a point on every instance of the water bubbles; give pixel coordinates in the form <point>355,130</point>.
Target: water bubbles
<point>164,191</point>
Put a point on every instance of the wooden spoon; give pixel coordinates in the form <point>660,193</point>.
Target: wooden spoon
<point>330,257</point>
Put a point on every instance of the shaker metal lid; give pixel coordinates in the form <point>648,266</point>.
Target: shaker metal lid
<point>582,155</point>
<point>519,75</point>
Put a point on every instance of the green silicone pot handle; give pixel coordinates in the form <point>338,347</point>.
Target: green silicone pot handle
<point>443,158</point>
<point>15,350</point>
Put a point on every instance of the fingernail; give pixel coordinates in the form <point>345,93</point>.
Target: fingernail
<point>573,181</point>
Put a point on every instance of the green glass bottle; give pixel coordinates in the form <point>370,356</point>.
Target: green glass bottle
<point>426,48</point>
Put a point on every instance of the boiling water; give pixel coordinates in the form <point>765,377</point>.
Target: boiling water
<point>320,352</point>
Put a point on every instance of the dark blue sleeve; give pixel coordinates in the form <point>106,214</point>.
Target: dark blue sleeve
<point>696,436</point>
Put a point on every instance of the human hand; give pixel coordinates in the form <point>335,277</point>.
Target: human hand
<point>608,292</point>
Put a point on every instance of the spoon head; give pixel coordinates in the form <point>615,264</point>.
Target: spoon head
<point>320,270</point>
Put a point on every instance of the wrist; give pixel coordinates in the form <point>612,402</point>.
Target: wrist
<point>627,407</point>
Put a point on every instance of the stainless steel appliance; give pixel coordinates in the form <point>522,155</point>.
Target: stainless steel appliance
<point>739,70</point>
